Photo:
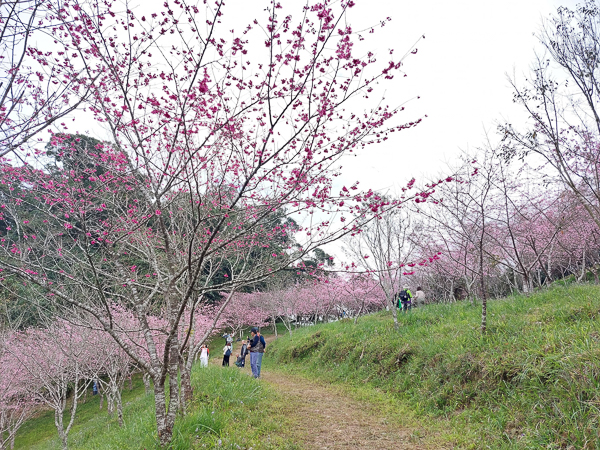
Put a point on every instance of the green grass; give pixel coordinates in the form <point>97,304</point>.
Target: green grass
<point>227,413</point>
<point>532,382</point>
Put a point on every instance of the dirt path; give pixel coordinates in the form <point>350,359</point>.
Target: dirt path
<point>326,418</point>
<point>323,417</point>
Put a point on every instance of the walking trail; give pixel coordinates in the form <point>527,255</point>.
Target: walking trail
<point>324,417</point>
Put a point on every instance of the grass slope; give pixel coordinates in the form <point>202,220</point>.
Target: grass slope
<point>532,382</point>
<point>227,413</point>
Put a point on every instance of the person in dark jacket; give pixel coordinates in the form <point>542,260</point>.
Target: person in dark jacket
<point>241,359</point>
<point>405,299</point>
<point>264,345</point>
<point>226,354</point>
<point>256,347</point>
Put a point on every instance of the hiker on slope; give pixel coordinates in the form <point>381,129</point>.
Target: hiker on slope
<point>405,299</point>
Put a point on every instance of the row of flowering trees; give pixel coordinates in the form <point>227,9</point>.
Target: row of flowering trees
<point>500,227</point>
<point>53,366</point>
<point>306,302</point>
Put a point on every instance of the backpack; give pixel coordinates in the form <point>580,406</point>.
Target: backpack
<point>228,352</point>
<point>403,296</point>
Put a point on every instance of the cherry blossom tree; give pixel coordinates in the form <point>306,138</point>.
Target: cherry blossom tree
<point>242,311</point>
<point>211,141</point>
<point>360,293</point>
<point>385,248</point>
<point>16,405</point>
<point>39,86</point>
<point>110,363</point>
<point>52,365</point>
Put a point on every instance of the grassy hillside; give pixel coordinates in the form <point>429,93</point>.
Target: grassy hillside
<point>532,382</point>
<point>227,413</point>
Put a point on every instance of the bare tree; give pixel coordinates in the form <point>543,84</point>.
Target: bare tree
<point>462,214</point>
<point>565,121</point>
<point>383,248</point>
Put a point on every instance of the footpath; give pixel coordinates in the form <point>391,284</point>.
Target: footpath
<point>324,417</point>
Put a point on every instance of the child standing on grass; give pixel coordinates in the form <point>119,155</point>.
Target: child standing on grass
<point>226,354</point>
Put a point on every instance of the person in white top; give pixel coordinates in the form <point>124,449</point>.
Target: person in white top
<point>204,356</point>
<point>419,297</point>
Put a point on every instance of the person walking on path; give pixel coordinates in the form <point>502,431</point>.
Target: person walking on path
<point>226,354</point>
<point>419,297</point>
<point>405,299</point>
<point>204,356</point>
<point>256,347</point>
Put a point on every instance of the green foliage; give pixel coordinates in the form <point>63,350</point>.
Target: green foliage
<point>228,412</point>
<point>532,382</point>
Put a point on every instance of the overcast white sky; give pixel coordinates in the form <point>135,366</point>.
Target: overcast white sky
<point>460,73</point>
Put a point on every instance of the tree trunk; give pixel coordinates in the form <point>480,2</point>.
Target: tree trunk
<point>119,402</point>
<point>482,284</point>
<point>165,415</point>
<point>288,325</point>
<point>484,314</point>
<point>58,421</point>
<point>391,302</point>
<point>163,426</point>
<point>110,404</point>
<point>526,283</point>
<point>483,301</point>
<point>173,371</point>
<point>359,311</point>
<point>63,440</point>
<point>146,380</point>
<point>582,277</point>
<point>187,391</point>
